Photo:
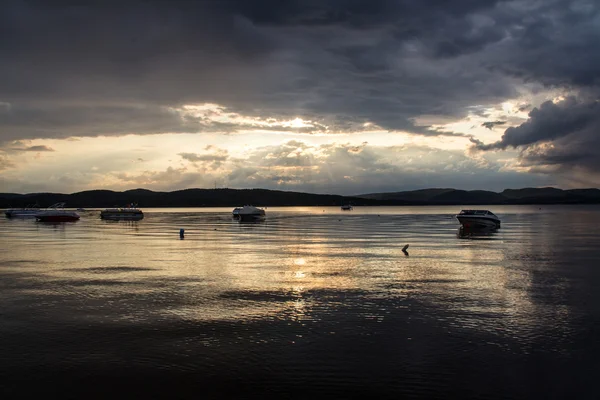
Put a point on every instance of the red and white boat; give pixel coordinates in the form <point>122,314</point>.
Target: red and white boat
<point>57,213</point>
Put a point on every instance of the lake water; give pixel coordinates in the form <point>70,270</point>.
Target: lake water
<point>312,303</point>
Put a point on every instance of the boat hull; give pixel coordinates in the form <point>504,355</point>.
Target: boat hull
<point>21,213</point>
<point>477,222</point>
<point>57,218</point>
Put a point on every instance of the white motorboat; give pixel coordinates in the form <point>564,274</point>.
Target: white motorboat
<point>27,212</point>
<point>478,219</point>
<point>130,213</point>
<point>57,213</point>
<point>251,213</point>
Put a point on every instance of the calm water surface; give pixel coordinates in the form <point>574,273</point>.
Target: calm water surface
<point>313,302</point>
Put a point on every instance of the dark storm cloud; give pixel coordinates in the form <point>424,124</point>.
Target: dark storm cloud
<point>331,61</point>
<point>551,121</point>
<point>77,68</point>
<point>555,43</point>
<point>560,138</point>
<point>56,121</point>
<point>557,46</point>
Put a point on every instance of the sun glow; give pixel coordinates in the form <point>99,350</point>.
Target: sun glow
<point>219,117</point>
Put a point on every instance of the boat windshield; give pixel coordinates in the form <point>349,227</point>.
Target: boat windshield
<point>476,212</point>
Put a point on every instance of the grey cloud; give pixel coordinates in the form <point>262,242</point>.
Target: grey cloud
<point>203,157</point>
<point>54,121</point>
<point>550,121</point>
<point>524,107</point>
<point>212,160</point>
<point>351,169</point>
<point>574,158</point>
<point>328,61</point>
<point>38,148</point>
<point>329,168</point>
<point>290,154</point>
<point>98,68</point>
<point>491,124</point>
<point>21,146</point>
<point>560,139</point>
<point>554,42</point>
<point>5,163</point>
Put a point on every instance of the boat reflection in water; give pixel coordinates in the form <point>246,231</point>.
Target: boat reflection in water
<point>477,232</point>
<point>250,224</point>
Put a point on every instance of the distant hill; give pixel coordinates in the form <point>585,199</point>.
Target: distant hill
<point>264,197</point>
<point>509,196</point>
<point>534,192</point>
<point>440,196</point>
<point>551,195</point>
<point>182,198</point>
<point>468,197</point>
<point>422,195</point>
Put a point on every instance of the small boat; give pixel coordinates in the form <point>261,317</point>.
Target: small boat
<point>27,212</point>
<point>81,209</point>
<point>130,213</point>
<point>56,213</point>
<point>346,207</point>
<point>251,213</point>
<point>478,219</point>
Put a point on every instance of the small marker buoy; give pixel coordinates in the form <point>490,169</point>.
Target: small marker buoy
<point>181,233</point>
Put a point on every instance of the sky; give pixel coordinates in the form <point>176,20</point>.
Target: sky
<point>321,96</point>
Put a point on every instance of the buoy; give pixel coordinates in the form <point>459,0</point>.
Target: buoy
<point>181,233</point>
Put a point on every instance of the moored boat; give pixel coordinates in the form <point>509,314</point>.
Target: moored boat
<point>251,213</point>
<point>478,219</point>
<point>346,207</point>
<point>131,213</point>
<point>57,213</point>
